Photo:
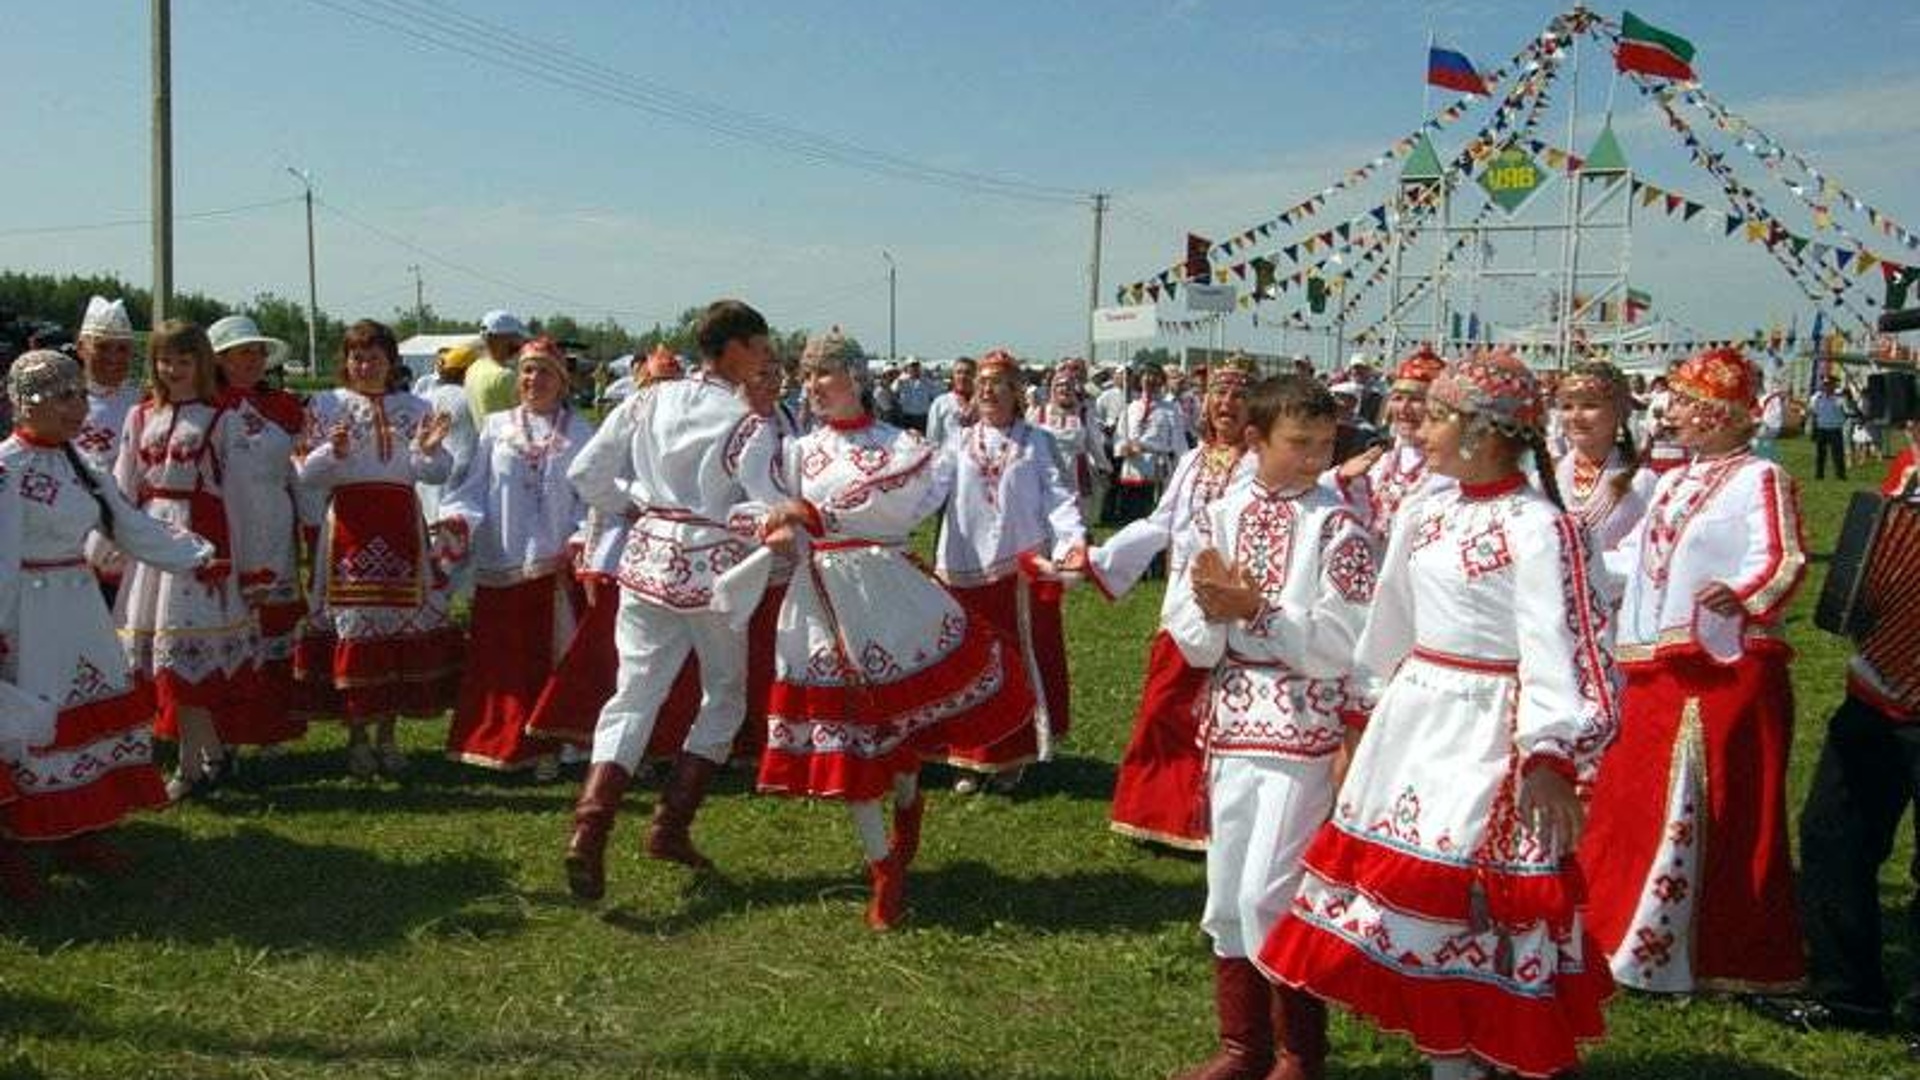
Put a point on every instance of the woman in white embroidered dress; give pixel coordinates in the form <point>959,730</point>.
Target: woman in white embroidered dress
<point>875,664</point>
<point>1688,856</point>
<point>1065,416</point>
<point>1012,514</point>
<point>266,552</point>
<point>76,739</point>
<point>377,644</point>
<point>515,513</point>
<point>1400,473</point>
<point>191,635</point>
<point>1442,899</point>
<point>1600,475</point>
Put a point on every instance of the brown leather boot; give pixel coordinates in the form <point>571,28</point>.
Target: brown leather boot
<point>1241,997</point>
<point>593,817</point>
<point>1300,1027</point>
<point>669,837</point>
<point>889,902</point>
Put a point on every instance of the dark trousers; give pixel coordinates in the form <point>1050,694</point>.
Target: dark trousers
<point>1869,773</point>
<point>1829,441</point>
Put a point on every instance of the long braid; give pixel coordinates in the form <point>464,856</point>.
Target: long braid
<point>1543,466</point>
<point>1629,459</point>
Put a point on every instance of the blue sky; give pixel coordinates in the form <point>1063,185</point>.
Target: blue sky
<point>516,192</point>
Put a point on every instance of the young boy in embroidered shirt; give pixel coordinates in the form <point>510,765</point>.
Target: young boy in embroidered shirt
<point>1274,606</point>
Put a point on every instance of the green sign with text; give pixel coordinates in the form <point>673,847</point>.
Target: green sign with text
<point>1511,178</point>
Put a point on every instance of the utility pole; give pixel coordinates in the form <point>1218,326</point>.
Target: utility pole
<point>313,287</point>
<point>162,158</point>
<point>893,355</point>
<point>419,300</point>
<point>1093,268</point>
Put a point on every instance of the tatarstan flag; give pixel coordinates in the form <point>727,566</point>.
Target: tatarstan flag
<point>1650,50</point>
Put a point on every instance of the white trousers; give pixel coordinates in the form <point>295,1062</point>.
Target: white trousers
<point>1264,810</point>
<point>654,642</point>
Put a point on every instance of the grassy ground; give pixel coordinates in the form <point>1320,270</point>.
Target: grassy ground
<point>305,925</point>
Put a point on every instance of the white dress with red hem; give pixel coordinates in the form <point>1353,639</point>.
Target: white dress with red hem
<point>875,663</point>
<point>1428,904</point>
<point>58,644</point>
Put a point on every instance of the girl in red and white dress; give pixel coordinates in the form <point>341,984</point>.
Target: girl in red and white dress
<point>1692,883</point>
<point>514,514</point>
<point>1400,472</point>
<point>76,737</point>
<point>191,636</point>
<point>1599,476</point>
<point>377,644</point>
<point>876,664</point>
<point>1012,514</point>
<point>1065,416</point>
<point>1157,794</point>
<point>1442,898</point>
<point>583,678</point>
<point>266,552</point>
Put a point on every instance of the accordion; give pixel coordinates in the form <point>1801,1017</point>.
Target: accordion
<point>1872,592</point>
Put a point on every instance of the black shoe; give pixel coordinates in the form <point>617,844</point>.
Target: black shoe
<point>1811,1014</point>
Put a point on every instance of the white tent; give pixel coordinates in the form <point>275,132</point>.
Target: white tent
<point>419,351</point>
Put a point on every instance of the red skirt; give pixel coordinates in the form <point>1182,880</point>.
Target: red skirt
<point>363,680</point>
<point>998,605</point>
<point>580,684</point>
<point>849,742</point>
<point>98,770</point>
<point>264,714</point>
<point>1745,932</point>
<point>512,632</point>
<point>1159,794</point>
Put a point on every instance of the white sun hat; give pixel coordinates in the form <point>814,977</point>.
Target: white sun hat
<point>237,330</point>
<point>106,319</point>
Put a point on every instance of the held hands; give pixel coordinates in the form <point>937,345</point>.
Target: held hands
<point>1224,593</point>
<point>1551,809</point>
<point>1718,598</point>
<point>339,439</point>
<point>433,432</point>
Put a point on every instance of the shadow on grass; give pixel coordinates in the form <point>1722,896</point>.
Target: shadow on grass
<point>965,897</point>
<point>1073,775</point>
<point>1690,1065</point>
<point>263,890</point>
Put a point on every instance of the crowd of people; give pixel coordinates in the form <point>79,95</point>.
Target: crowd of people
<point>1470,685</point>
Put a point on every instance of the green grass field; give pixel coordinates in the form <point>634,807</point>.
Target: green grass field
<point>304,925</point>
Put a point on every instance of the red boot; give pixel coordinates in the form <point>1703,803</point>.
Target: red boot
<point>670,836</point>
<point>889,904</point>
<point>1242,998</point>
<point>593,818</point>
<point>19,882</point>
<point>906,829</point>
<point>1300,1022</point>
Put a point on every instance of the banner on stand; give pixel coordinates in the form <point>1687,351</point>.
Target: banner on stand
<point>1132,322</point>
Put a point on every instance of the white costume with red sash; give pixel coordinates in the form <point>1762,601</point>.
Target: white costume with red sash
<point>378,642</point>
<point>1083,451</point>
<point>77,746</point>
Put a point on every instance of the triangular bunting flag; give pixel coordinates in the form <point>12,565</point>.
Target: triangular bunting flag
<point>1692,208</point>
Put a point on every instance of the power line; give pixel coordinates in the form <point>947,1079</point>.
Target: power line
<point>124,223</point>
<point>479,39</point>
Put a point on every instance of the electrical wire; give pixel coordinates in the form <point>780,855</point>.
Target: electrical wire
<point>123,223</point>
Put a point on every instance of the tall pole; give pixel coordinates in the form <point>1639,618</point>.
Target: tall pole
<point>893,355</point>
<point>162,158</point>
<point>1093,269</point>
<point>419,300</point>
<point>313,286</point>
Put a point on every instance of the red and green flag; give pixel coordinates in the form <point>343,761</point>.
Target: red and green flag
<point>1638,301</point>
<point>1647,49</point>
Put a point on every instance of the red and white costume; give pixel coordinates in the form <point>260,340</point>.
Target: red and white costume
<point>584,675</point>
<point>1083,451</point>
<point>1156,432</point>
<point>1428,903</point>
<point>518,513</point>
<point>1156,795</point>
<point>266,561</point>
<point>1399,477</point>
<point>190,634</point>
<point>1272,715</point>
<point>1609,499</point>
<point>876,664</point>
<point>58,646</point>
<point>378,642</point>
<point>100,433</point>
<point>677,457</point>
<point>1686,845</point>
<point>1011,503</point>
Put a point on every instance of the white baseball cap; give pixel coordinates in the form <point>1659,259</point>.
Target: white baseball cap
<point>503,324</point>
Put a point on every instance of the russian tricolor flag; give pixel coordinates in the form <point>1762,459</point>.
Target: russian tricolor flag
<point>1453,71</point>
